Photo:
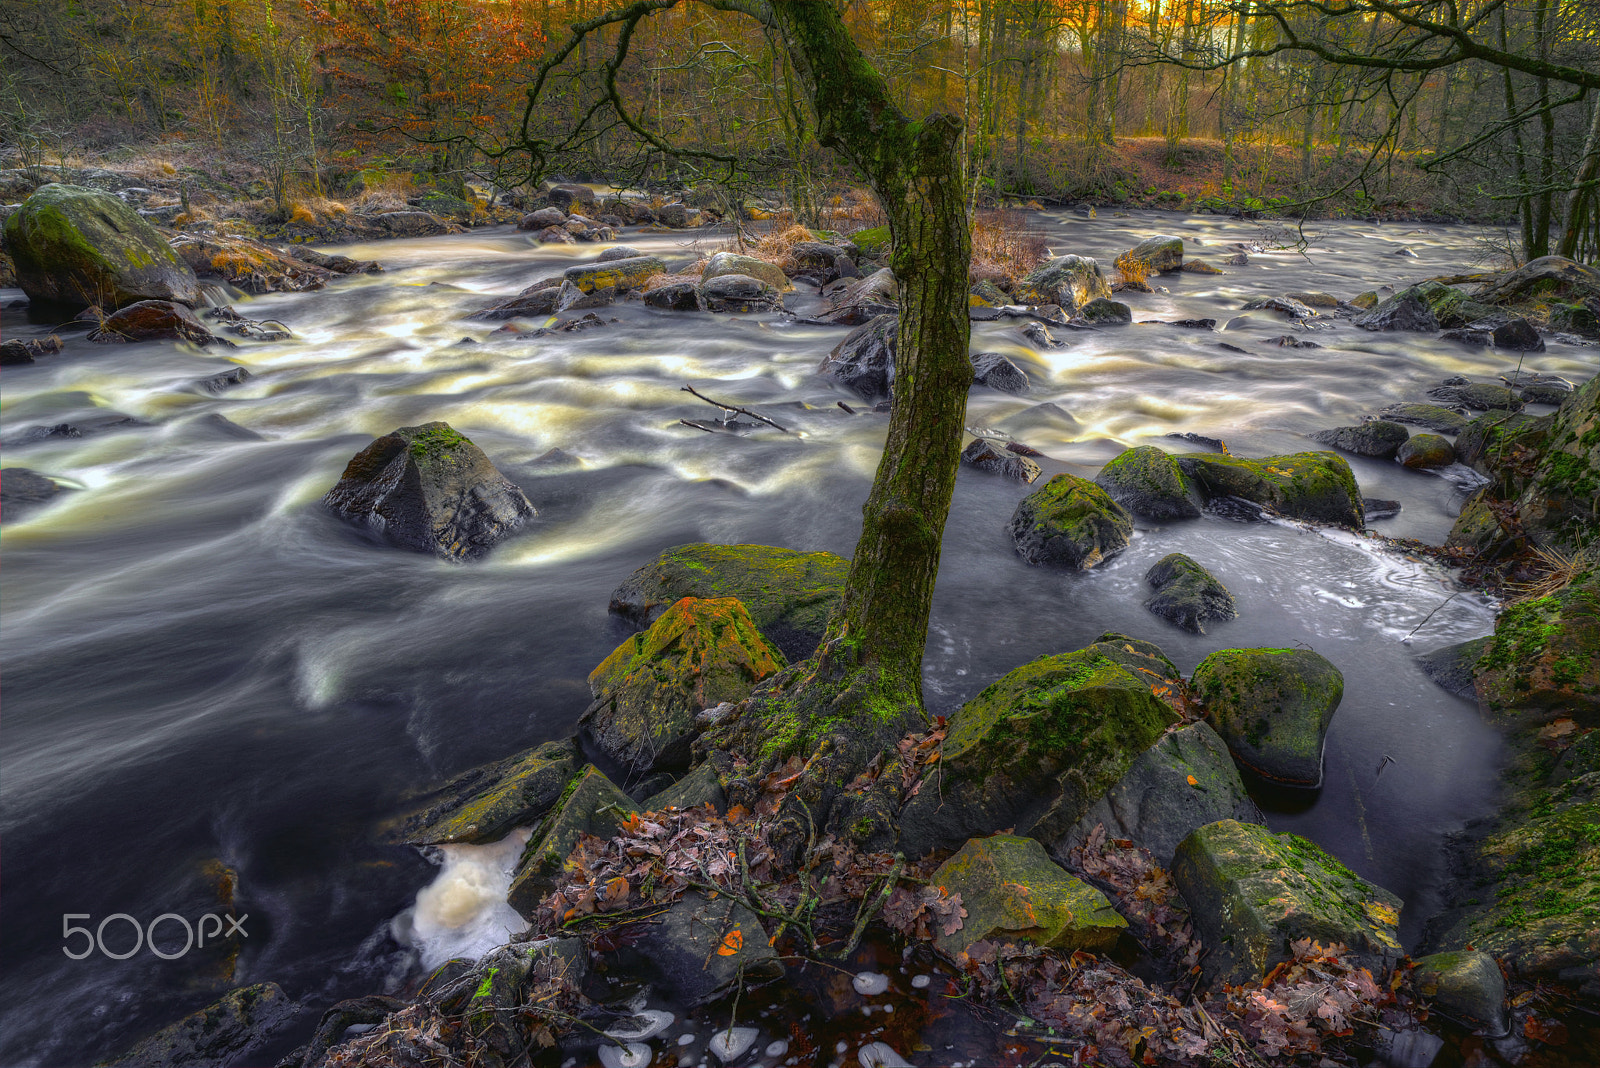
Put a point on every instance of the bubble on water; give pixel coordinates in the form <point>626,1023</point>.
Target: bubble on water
<point>920,982</point>
<point>778,1048</point>
<point>633,1055</point>
<point>881,1055</point>
<point>731,1044</point>
<point>645,1023</point>
<point>870,983</point>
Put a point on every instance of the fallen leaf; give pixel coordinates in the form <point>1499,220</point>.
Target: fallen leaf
<point>732,942</point>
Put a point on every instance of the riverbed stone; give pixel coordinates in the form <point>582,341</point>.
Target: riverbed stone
<point>699,653</point>
<point>1148,481</point>
<point>537,301</point>
<point>1013,892</point>
<point>1034,751</point>
<point>701,787</point>
<point>1070,281</point>
<point>621,275</point>
<point>1284,305</point>
<point>1403,311</point>
<point>1379,439</point>
<point>789,594</point>
<point>221,1033</point>
<point>1465,984</point>
<point>1185,780</point>
<point>997,372</point>
<point>22,490</point>
<point>1429,416</point>
<point>1272,707</point>
<point>1481,396</point>
<point>676,296</point>
<point>987,456</point>
<point>152,320</point>
<point>1187,595</point>
<point>1318,486</point>
<point>1451,666</point>
<point>489,802</point>
<point>430,489</point>
<point>1252,894</point>
<point>702,948</point>
<point>1102,311</point>
<point>590,804</point>
<point>73,247</point>
<point>1071,523</point>
<point>864,359</point>
<point>1423,451</point>
<point>724,263</point>
<point>1544,658</point>
<point>538,220</point>
<point>1163,254</point>
<point>740,293</point>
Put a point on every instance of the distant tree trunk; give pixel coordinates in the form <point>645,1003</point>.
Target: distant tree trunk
<point>1525,202</point>
<point>1581,203</point>
<point>1544,202</point>
<point>1230,77</point>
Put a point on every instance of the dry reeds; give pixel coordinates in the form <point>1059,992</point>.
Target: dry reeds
<point>1134,271</point>
<point>1558,570</point>
<point>1003,248</point>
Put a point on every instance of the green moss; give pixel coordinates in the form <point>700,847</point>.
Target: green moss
<point>435,438</point>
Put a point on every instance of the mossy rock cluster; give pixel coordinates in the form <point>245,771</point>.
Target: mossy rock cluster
<point>1318,486</point>
<point>590,804</point>
<point>1253,893</point>
<point>489,802</point>
<point>1561,505</point>
<point>430,489</point>
<point>1034,751</point>
<point>1272,707</point>
<point>620,275</point>
<point>1013,892</point>
<point>789,594</point>
<point>698,654</point>
<point>1544,658</point>
<point>74,247</point>
<point>1148,482</point>
<point>1070,281</point>
<point>1070,522</point>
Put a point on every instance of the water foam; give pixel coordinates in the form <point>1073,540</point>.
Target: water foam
<point>463,912</point>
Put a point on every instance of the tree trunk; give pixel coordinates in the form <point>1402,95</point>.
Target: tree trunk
<point>1580,204</point>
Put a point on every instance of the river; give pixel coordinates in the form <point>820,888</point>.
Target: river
<point>203,667</point>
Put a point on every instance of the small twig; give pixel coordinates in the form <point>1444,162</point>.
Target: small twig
<point>697,426</point>
<point>734,408</point>
<point>870,906</point>
<point>1430,615</point>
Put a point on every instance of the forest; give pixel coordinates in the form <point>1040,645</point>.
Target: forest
<point>1476,110</point>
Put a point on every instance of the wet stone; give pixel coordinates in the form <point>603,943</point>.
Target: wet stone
<point>1379,439</point>
<point>987,456</point>
<point>1272,707</point>
<point>1187,595</point>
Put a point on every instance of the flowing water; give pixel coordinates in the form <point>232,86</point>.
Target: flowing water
<point>205,672</point>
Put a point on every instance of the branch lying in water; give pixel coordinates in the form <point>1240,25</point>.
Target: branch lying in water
<point>732,408</point>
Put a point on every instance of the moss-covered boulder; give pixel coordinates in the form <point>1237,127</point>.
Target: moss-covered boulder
<point>1466,985</point>
<point>489,802</point>
<point>1424,451</point>
<point>1162,254</point>
<point>1478,527</point>
<point>1379,439</point>
<point>1451,666</point>
<point>1186,780</point>
<point>73,247</point>
<point>873,241</point>
<point>1013,892</point>
<point>1033,751</point>
<point>1544,658</point>
<point>615,274</point>
<point>698,654</point>
<point>1479,396</point>
<point>1187,595</point>
<point>1070,522</point>
<point>591,804</point>
<point>1318,486</point>
<point>1105,312</point>
<point>789,594</point>
<point>1429,416</point>
<point>1253,893</point>
<point>223,1032</point>
<point>1502,445</point>
<point>1272,707</point>
<point>430,489</point>
<point>732,263</point>
<point>1148,482</point>
<point>1070,281</point>
<point>702,786</point>
<point>1561,505</point>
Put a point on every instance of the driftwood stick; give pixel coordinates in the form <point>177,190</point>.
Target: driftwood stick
<point>734,408</point>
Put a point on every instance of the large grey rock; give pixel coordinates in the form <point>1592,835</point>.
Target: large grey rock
<point>987,456</point>
<point>676,296</point>
<point>1186,780</point>
<point>1163,254</point>
<point>1148,482</point>
<point>740,293</point>
<point>1070,522</point>
<point>1272,707</point>
<point>219,1034</point>
<point>1252,894</point>
<point>1451,666</point>
<point>728,263</point>
<point>1400,312</point>
<point>73,247</point>
<point>620,275</point>
<point>685,946</point>
<point>1318,486</point>
<point>591,804</point>
<point>1069,281</point>
<point>864,360</point>
<point>1379,439</point>
<point>995,371</point>
<point>1467,985</point>
<point>1188,595</point>
<point>1429,416</point>
<point>430,489</point>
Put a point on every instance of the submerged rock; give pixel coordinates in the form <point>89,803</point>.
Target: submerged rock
<point>1467,985</point>
<point>1378,439</point>
<point>1013,892</point>
<point>1188,595</point>
<point>430,489</point>
<point>676,296</point>
<point>591,804</point>
<point>615,274</point>
<point>221,1033</point>
<point>22,490</point>
<point>1403,311</point>
<point>152,320</point>
<point>1070,281</point>
<point>986,455</point>
<point>1148,482</point>
<point>740,293</point>
<point>537,301</point>
<point>789,594</point>
<point>864,360</point>
<point>1285,305</point>
<point>1305,485</point>
<point>74,247</point>
<point>1451,666</point>
<point>538,220</point>
<point>1483,396</point>
<point>1186,780</point>
<point>1070,522</point>
<point>1430,416</point>
<point>1424,451</point>
<point>1034,751</point>
<point>489,802</point>
<point>995,371</point>
<point>1253,893</point>
<point>1272,707</point>
<point>1106,312</point>
<point>1162,254</point>
<point>699,653</point>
